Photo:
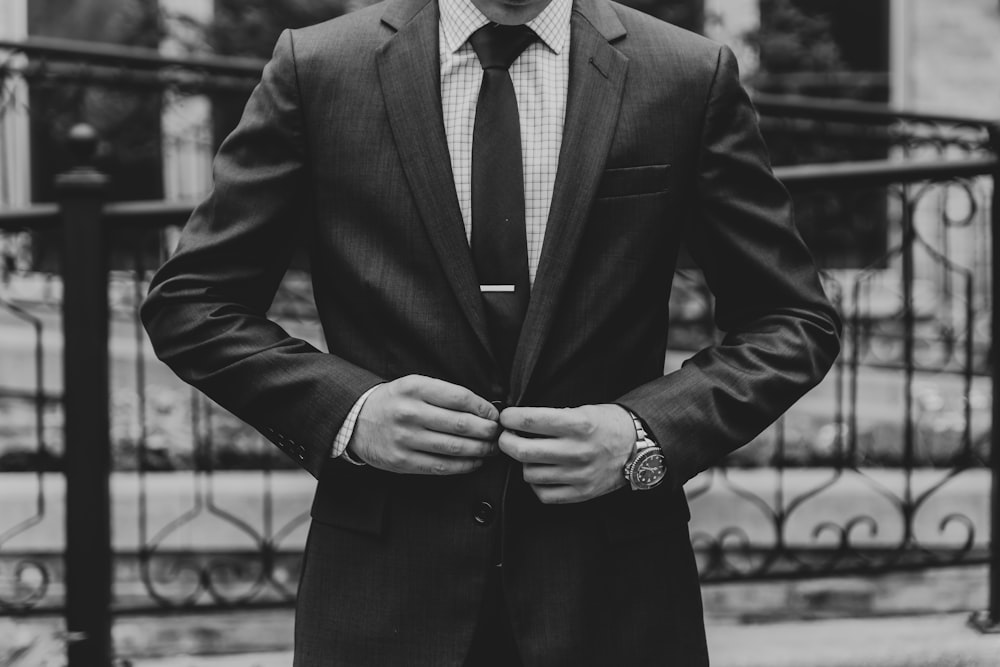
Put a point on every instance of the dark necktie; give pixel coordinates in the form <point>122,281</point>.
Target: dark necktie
<point>499,244</point>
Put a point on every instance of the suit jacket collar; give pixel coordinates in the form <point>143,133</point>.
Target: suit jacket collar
<point>408,69</point>
<point>596,85</point>
<point>598,13</point>
<point>602,17</point>
<point>409,76</point>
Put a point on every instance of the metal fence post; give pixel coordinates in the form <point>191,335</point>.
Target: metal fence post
<point>994,609</point>
<point>86,407</point>
<point>989,620</point>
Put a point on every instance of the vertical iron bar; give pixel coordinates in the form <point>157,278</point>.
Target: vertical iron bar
<point>994,598</point>
<point>86,397</point>
<point>855,367</point>
<point>909,242</point>
<point>989,620</point>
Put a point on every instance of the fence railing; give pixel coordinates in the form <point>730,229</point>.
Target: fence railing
<point>125,491</point>
<point>888,465</point>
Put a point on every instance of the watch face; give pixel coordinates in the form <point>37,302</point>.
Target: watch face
<point>649,469</point>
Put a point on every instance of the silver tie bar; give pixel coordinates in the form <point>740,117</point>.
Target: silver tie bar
<point>496,288</point>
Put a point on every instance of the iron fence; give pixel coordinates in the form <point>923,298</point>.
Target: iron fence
<point>888,465</point>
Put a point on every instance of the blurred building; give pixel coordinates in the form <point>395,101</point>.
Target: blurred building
<point>927,55</point>
<point>15,146</point>
<point>922,55</point>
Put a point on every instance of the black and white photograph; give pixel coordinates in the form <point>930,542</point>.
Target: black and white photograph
<point>499,333</point>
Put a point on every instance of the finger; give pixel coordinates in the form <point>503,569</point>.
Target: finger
<point>454,422</point>
<point>549,475</point>
<point>419,463</point>
<point>546,421</point>
<point>540,450</point>
<point>448,395</point>
<point>441,444</point>
<point>557,495</point>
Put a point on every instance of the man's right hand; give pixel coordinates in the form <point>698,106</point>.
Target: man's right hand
<point>421,425</point>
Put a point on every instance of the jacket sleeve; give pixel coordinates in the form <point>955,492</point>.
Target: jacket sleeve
<point>781,332</point>
<point>206,308</point>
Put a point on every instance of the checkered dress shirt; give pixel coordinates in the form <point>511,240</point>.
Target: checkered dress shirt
<point>541,78</point>
<point>541,81</point>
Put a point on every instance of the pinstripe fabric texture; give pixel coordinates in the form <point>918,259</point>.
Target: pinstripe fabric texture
<point>541,81</point>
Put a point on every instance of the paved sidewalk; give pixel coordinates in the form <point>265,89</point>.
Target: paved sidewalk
<point>905,641</point>
<point>280,659</point>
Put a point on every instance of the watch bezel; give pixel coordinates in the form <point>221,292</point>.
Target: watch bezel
<point>641,456</point>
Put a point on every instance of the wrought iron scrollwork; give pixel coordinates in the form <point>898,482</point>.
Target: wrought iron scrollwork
<point>828,490</point>
<point>27,584</point>
<point>914,329</point>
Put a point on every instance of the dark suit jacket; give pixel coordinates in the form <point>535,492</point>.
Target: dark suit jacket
<point>342,148</point>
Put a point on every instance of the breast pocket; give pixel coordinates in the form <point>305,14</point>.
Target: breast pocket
<point>634,181</point>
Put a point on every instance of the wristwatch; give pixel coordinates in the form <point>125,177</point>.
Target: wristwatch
<point>646,468</point>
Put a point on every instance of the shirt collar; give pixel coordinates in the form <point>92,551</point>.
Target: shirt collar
<point>461,18</point>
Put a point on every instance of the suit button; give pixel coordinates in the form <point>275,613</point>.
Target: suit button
<point>484,514</point>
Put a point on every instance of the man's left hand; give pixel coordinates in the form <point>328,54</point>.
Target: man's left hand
<point>569,454</point>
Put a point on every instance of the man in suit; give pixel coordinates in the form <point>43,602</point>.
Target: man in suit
<point>493,237</point>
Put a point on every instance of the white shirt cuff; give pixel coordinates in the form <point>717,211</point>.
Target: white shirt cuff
<point>347,430</point>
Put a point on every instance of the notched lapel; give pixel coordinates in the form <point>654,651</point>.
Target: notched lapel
<point>408,67</point>
<point>596,84</point>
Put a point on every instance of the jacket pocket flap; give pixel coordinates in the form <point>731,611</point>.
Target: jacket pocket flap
<point>351,497</point>
<point>630,514</point>
<point>625,181</point>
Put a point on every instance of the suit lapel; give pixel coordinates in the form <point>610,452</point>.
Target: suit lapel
<point>408,67</point>
<point>596,83</point>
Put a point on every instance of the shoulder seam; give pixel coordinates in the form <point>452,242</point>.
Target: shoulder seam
<point>708,100</point>
<point>303,128</point>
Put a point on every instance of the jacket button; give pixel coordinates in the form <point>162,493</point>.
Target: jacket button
<point>484,514</point>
